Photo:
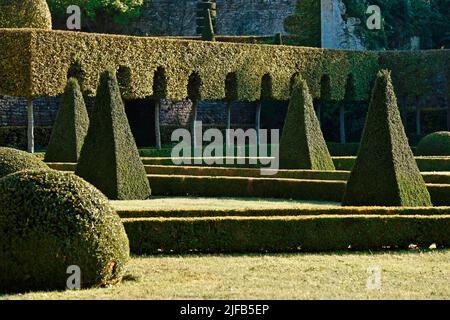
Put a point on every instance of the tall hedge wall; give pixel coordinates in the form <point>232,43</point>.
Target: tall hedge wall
<point>35,63</point>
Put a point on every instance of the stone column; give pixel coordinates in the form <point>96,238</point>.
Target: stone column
<point>328,24</point>
<point>30,129</point>
<point>157,124</point>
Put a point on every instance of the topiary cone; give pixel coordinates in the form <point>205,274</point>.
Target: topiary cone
<point>71,126</point>
<point>25,14</point>
<point>302,144</point>
<point>109,158</point>
<point>385,172</point>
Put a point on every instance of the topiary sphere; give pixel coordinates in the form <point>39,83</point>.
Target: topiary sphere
<point>50,220</point>
<point>435,144</point>
<point>25,14</point>
<point>13,160</point>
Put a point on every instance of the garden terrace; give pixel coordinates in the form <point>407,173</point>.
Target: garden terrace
<point>36,63</point>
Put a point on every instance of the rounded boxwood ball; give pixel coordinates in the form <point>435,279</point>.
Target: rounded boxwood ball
<point>434,144</point>
<point>50,221</point>
<point>13,160</point>
<point>25,14</point>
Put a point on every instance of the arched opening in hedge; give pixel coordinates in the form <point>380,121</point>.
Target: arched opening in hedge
<point>76,71</point>
<point>266,87</point>
<point>124,79</point>
<point>159,84</point>
<point>159,91</point>
<point>292,81</point>
<point>349,97</point>
<point>231,95</point>
<point>193,89</point>
<point>325,95</point>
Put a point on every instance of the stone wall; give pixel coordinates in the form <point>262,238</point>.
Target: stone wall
<point>234,17</point>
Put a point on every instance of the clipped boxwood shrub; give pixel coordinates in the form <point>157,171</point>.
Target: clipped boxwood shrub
<point>109,158</point>
<point>13,160</point>
<point>51,220</point>
<point>302,144</point>
<point>385,172</point>
<point>25,14</point>
<point>434,144</point>
<point>70,127</point>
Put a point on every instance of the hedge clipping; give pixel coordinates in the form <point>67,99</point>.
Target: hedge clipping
<point>302,144</point>
<point>109,158</point>
<point>70,128</point>
<point>25,14</point>
<point>385,172</point>
<point>51,220</point>
<point>434,144</point>
<point>13,160</point>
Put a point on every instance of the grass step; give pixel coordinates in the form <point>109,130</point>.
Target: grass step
<point>285,234</point>
<point>171,207</point>
<point>210,186</point>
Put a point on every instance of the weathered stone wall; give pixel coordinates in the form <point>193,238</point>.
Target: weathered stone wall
<point>234,17</point>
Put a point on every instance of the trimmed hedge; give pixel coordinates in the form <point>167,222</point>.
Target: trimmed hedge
<point>284,234</point>
<point>325,210</point>
<point>16,136</point>
<point>50,53</point>
<point>425,164</point>
<point>109,158</point>
<point>247,187</point>
<point>245,172</point>
<point>51,220</point>
<point>385,172</point>
<point>429,177</point>
<point>435,144</point>
<point>35,63</point>
<point>71,126</point>
<point>25,14</point>
<point>320,190</point>
<point>13,160</point>
<point>302,144</point>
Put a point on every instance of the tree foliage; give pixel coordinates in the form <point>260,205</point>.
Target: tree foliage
<point>305,23</point>
<point>106,16</point>
<point>402,20</point>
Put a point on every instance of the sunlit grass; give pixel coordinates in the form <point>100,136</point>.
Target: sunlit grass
<point>405,275</point>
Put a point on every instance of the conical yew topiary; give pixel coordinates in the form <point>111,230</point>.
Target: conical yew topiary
<point>70,127</point>
<point>109,158</point>
<point>302,144</point>
<point>385,172</point>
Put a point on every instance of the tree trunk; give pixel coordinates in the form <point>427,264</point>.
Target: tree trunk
<point>258,121</point>
<point>227,136</point>
<point>193,119</point>
<point>30,133</point>
<point>157,124</point>
<point>418,126</point>
<point>342,123</point>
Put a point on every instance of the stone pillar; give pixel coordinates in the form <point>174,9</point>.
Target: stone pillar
<point>336,32</point>
<point>227,132</point>
<point>258,121</point>
<point>328,25</point>
<point>30,130</point>
<point>157,124</point>
<point>193,120</point>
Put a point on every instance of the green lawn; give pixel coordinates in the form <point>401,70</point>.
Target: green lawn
<point>405,275</point>
<point>192,203</point>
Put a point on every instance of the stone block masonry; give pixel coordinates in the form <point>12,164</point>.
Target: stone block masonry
<point>234,17</point>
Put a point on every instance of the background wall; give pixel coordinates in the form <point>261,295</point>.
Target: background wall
<point>235,17</point>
